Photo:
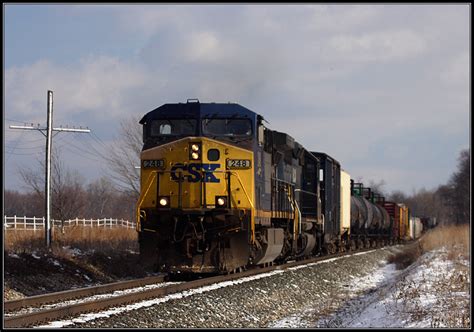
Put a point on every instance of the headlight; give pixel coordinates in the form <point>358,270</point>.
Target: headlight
<point>221,201</point>
<point>164,201</point>
<point>195,151</point>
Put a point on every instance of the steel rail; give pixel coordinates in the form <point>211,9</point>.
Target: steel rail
<point>35,318</point>
<point>38,300</point>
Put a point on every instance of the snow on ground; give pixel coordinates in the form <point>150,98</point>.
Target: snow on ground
<point>383,276</point>
<point>75,251</point>
<point>432,292</point>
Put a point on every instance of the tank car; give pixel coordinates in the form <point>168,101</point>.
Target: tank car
<point>370,222</point>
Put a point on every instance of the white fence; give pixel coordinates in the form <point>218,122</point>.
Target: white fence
<point>36,223</point>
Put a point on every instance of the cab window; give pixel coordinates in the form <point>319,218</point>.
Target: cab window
<point>227,127</point>
<point>166,127</point>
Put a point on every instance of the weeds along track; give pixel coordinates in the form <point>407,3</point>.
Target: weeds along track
<point>64,308</point>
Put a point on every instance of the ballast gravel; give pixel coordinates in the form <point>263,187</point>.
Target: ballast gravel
<point>317,290</point>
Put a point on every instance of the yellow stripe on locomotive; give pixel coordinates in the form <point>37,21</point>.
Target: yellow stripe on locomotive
<point>195,173</point>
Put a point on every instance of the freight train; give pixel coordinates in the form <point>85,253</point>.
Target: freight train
<point>220,192</point>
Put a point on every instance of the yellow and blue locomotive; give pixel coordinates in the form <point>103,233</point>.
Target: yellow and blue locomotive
<point>220,192</point>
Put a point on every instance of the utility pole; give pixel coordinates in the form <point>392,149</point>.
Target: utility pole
<point>49,143</point>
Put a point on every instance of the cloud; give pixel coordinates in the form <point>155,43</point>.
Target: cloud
<point>204,46</point>
<point>457,71</point>
<point>96,86</point>
<point>380,46</point>
<point>340,18</point>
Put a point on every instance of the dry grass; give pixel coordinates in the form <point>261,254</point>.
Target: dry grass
<point>451,308</point>
<point>455,239</point>
<point>449,287</point>
<point>83,238</point>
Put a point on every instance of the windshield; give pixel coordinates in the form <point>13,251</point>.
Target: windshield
<point>227,127</point>
<point>165,127</point>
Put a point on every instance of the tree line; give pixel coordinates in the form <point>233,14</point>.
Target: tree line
<point>449,203</point>
<point>73,199</point>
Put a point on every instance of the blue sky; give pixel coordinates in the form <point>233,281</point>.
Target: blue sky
<point>384,89</point>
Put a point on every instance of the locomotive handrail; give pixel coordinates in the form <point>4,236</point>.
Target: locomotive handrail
<point>144,194</point>
<point>283,181</point>
<point>306,192</point>
<point>299,217</point>
<point>296,225</point>
<point>241,185</point>
<point>252,217</point>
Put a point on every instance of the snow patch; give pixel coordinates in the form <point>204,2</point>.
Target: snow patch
<point>393,299</point>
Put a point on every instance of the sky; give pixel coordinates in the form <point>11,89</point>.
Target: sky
<point>384,89</point>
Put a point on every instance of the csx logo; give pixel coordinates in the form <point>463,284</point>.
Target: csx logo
<point>195,174</point>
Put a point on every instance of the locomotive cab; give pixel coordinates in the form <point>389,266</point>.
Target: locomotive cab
<point>230,123</point>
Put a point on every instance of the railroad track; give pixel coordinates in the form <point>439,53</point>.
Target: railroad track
<point>37,300</point>
<point>71,310</point>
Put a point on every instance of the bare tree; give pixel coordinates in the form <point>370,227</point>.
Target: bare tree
<point>397,196</point>
<point>22,204</point>
<point>457,192</point>
<point>100,198</point>
<point>66,187</point>
<point>68,196</point>
<point>124,156</point>
<point>444,194</point>
<point>124,206</point>
<point>449,203</point>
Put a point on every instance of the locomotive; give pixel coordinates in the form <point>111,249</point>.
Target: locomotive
<point>221,192</point>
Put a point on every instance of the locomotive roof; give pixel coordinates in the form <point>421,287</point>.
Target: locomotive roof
<point>198,110</point>
<point>322,155</point>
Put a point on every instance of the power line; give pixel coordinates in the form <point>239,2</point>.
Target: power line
<point>96,152</point>
<point>14,146</point>
<point>91,156</point>
<point>17,121</point>
<point>26,140</point>
<point>21,154</point>
<point>97,139</point>
<point>23,147</point>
